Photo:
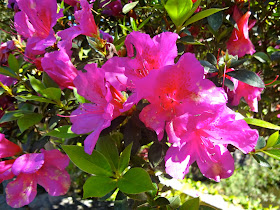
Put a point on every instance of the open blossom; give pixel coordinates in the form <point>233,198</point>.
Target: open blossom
<point>122,72</point>
<point>175,90</point>
<point>60,68</point>
<point>203,138</point>
<point>35,22</point>
<point>239,42</point>
<point>105,106</point>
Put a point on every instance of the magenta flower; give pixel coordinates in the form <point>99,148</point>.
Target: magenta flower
<point>239,42</point>
<point>35,22</point>
<point>203,138</point>
<point>46,168</point>
<point>114,8</point>
<point>175,90</point>
<point>105,106</point>
<point>5,49</point>
<point>122,72</point>
<point>60,68</point>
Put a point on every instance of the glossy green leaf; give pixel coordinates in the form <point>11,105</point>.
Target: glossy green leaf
<point>272,140</point>
<point>79,98</point>
<point>261,123</point>
<point>262,57</point>
<point>263,162</point>
<point>248,77</point>
<point>174,202</point>
<point>234,63</point>
<point>34,98</point>
<point>134,181</point>
<point>178,10</point>
<point>36,84</point>
<point>192,204</point>
<point>52,93</point>
<point>13,63</point>
<point>260,143</point>
<point>48,82</point>
<point>98,186</point>
<point>7,72</point>
<point>215,20</point>
<point>275,153</point>
<point>11,115</point>
<point>107,146</point>
<point>201,15</point>
<point>161,201</point>
<point>124,158</point>
<point>95,163</point>
<point>211,58</point>
<point>28,120</point>
<point>127,7</point>
<point>194,8</point>
<point>62,132</point>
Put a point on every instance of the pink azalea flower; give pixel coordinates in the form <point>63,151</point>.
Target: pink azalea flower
<point>73,3</point>
<point>105,106</point>
<point>175,90</point>
<point>203,138</point>
<point>35,22</point>
<point>5,50</point>
<point>46,168</point>
<point>8,148</point>
<point>60,68</point>
<point>122,72</point>
<point>114,8</point>
<point>239,42</point>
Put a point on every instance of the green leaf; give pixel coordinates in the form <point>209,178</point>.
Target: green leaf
<point>260,143</point>
<point>134,181</point>
<point>261,123</point>
<point>127,7</point>
<point>11,115</point>
<point>177,10</point>
<point>36,84</point>
<point>48,82</point>
<point>192,204</point>
<point>7,72</point>
<point>79,98</point>
<point>133,24</point>
<point>124,158</point>
<point>272,140</point>
<point>211,58</point>
<point>174,202</point>
<point>195,6</point>
<point>144,22</point>
<point>234,63</point>
<point>262,57</point>
<point>248,77</point>
<point>161,201</point>
<point>95,163</point>
<point>28,120</point>
<point>201,15</point>
<point>107,146</point>
<point>13,63</point>
<point>263,162</point>
<point>98,186</point>
<point>215,20</point>
<point>33,98</point>
<point>275,153</point>
<point>62,132</point>
<point>52,93</point>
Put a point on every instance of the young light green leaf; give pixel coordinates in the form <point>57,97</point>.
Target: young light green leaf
<point>201,15</point>
<point>107,146</point>
<point>133,24</point>
<point>13,63</point>
<point>95,163</point>
<point>124,158</point>
<point>261,123</point>
<point>195,6</point>
<point>62,132</point>
<point>177,10</point>
<point>79,98</point>
<point>127,7</point>
<point>272,140</point>
<point>134,181</point>
<point>52,93</point>
<point>192,204</point>
<point>98,186</point>
<point>275,153</point>
<point>28,120</point>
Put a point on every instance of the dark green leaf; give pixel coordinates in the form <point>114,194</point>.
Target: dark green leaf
<point>275,153</point>
<point>98,186</point>
<point>263,162</point>
<point>261,143</point>
<point>95,163</point>
<point>177,10</point>
<point>215,20</point>
<point>11,115</point>
<point>134,181</point>
<point>28,120</point>
<point>13,63</point>
<point>235,63</point>
<point>272,140</point>
<point>174,202</point>
<point>34,98</point>
<point>248,77</point>
<point>52,93</point>
<point>211,58</point>
<point>157,153</point>
<point>275,56</point>
<point>229,84</point>
<point>261,123</point>
<point>7,71</point>
<point>107,146</point>
<point>161,201</point>
<point>127,7</point>
<point>262,57</point>
<point>192,204</point>
<point>62,132</point>
<point>124,158</point>
<point>48,82</point>
<point>201,15</point>
<point>36,84</point>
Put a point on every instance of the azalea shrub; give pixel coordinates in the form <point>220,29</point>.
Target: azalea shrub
<point>135,92</point>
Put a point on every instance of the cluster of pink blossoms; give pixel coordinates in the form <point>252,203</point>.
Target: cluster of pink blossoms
<point>190,108</point>
<point>46,169</point>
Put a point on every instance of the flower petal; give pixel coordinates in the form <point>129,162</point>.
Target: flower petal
<point>28,163</point>
<point>8,148</point>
